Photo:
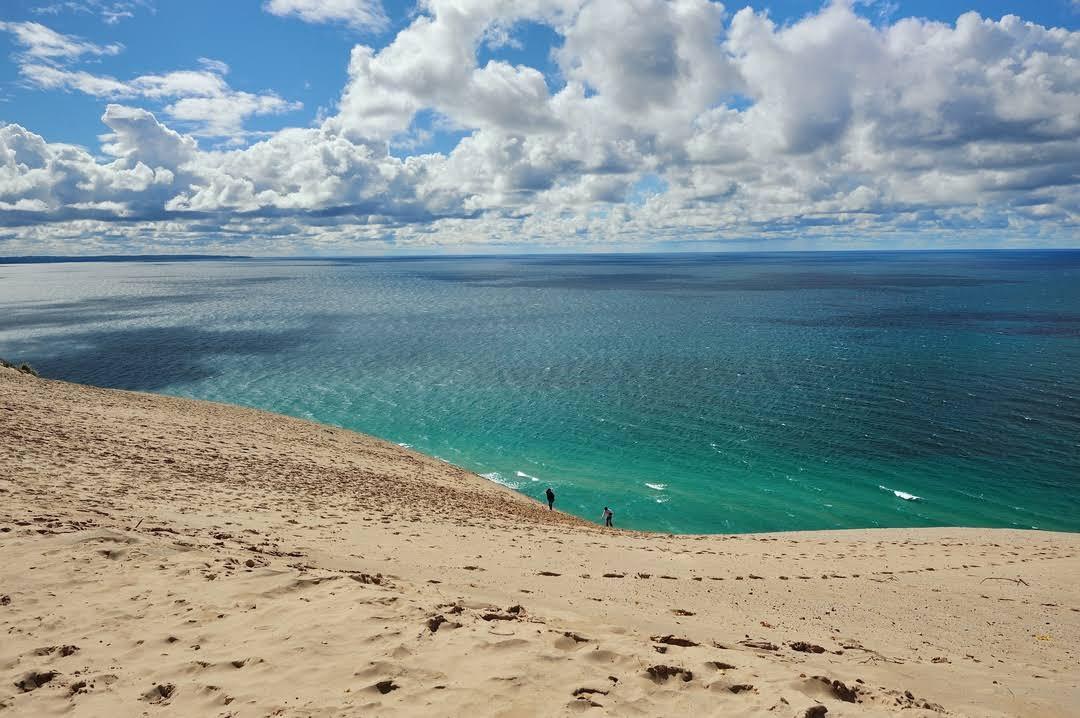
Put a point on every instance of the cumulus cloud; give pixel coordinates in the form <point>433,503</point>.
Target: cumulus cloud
<point>649,55</point>
<point>358,14</point>
<point>137,137</point>
<point>50,180</point>
<point>832,126</point>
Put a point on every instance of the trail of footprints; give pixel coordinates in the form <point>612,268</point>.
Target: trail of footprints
<point>1040,555</point>
<point>677,660</point>
<point>711,673</point>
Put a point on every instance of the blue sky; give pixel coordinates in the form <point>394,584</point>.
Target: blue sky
<point>556,129</point>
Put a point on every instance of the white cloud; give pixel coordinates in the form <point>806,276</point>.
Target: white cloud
<point>50,77</point>
<point>648,55</point>
<point>358,14</point>
<point>111,12</point>
<point>57,180</point>
<point>224,115</point>
<point>831,126</point>
<point>217,67</point>
<point>137,137</point>
<point>41,43</point>
<point>201,99</point>
<point>433,64</point>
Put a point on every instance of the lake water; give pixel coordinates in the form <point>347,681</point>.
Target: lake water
<point>691,393</point>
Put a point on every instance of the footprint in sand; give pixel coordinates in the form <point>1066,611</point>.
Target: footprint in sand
<point>570,641</point>
<point>675,641</point>
<point>160,693</point>
<point>661,673</point>
<point>34,680</point>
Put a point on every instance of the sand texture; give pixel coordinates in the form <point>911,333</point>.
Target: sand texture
<point>165,557</point>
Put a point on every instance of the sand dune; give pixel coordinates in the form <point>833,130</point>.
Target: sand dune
<point>168,557</point>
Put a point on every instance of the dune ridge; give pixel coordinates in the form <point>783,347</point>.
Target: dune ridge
<point>162,556</point>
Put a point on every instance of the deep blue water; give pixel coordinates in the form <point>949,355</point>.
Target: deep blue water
<point>692,393</point>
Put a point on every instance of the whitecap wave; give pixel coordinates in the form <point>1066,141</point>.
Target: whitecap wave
<point>498,479</point>
<point>656,487</point>
<point>901,494</point>
<point>523,475</point>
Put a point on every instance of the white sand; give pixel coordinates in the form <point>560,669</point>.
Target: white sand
<point>166,557</point>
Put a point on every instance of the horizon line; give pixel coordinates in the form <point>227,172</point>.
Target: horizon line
<point>62,258</point>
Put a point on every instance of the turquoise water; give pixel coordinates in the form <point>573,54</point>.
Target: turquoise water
<point>691,393</point>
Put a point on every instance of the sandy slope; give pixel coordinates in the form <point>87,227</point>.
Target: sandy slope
<point>168,557</point>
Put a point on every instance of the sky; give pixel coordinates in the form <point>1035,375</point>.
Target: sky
<point>353,127</point>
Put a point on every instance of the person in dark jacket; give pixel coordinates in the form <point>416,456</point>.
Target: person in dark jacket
<point>550,497</point>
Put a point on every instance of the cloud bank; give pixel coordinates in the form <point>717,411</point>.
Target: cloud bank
<point>663,124</point>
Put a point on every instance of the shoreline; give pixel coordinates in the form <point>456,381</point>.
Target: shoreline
<point>475,475</point>
<point>178,557</point>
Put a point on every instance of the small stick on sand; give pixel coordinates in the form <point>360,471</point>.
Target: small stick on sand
<point>1017,581</point>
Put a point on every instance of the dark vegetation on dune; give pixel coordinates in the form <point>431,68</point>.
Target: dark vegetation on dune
<point>24,367</point>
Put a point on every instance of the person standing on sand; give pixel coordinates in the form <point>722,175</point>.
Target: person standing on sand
<point>608,515</point>
<point>550,497</point>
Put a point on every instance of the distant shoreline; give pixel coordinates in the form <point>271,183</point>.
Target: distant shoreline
<point>59,259</point>
<point>579,256</point>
